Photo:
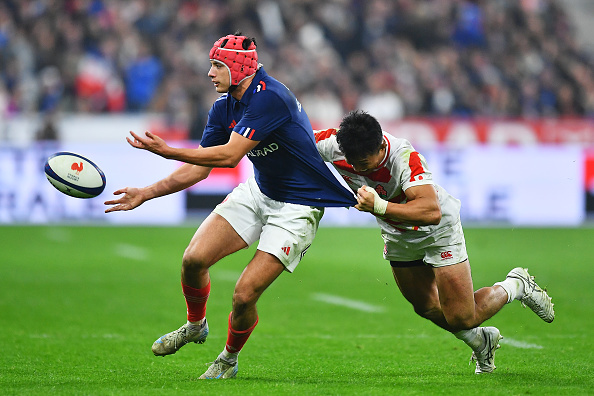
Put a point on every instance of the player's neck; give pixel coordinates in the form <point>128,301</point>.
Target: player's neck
<point>241,88</point>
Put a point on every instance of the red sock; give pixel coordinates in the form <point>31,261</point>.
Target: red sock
<point>196,301</point>
<point>236,339</point>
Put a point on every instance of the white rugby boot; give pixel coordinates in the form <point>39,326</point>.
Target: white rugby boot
<point>221,369</point>
<point>534,297</point>
<point>485,358</point>
<point>172,342</point>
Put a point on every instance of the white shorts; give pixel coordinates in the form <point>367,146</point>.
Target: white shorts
<point>436,251</point>
<point>285,230</point>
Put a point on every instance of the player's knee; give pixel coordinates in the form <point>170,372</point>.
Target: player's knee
<point>193,261</point>
<point>241,300</point>
<point>460,321</point>
<point>244,297</point>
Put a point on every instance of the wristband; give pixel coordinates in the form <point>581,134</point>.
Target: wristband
<point>379,205</point>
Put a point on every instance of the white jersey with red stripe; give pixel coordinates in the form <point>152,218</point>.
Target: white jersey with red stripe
<point>402,168</point>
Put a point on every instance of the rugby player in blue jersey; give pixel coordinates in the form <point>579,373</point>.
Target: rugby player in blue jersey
<point>281,205</point>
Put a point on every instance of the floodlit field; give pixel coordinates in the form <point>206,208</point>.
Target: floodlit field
<point>81,306</point>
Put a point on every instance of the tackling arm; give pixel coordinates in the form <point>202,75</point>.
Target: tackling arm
<point>421,208</point>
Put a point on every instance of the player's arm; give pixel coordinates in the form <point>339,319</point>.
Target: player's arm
<point>421,208</point>
<point>183,177</point>
<point>223,156</point>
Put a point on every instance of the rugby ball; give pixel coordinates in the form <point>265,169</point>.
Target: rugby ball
<point>74,175</point>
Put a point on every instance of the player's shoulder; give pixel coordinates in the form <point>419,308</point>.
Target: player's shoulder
<point>325,134</point>
<point>398,144</point>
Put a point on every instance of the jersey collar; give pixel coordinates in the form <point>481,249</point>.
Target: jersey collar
<point>385,159</point>
<point>247,95</point>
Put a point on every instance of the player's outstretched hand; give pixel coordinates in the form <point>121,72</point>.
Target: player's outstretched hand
<point>149,142</point>
<point>132,199</point>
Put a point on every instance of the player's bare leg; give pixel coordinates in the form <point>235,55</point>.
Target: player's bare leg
<point>214,239</point>
<point>256,277</point>
<point>467,311</point>
<point>462,307</point>
<point>418,286</point>
<point>445,296</point>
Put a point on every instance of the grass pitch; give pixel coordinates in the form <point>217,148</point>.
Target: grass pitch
<point>81,306</point>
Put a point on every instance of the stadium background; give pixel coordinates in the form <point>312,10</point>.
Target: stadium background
<point>498,95</point>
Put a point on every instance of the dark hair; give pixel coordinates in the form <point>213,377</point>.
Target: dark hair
<point>246,42</point>
<point>359,136</point>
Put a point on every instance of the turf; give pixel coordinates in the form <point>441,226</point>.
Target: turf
<point>81,306</point>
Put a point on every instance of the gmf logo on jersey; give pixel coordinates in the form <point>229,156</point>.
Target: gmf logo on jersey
<point>446,255</point>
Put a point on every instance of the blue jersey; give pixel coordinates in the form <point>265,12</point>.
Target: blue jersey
<point>287,165</point>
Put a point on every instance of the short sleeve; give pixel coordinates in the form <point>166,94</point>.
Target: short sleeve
<point>327,144</point>
<point>415,171</point>
<point>215,134</point>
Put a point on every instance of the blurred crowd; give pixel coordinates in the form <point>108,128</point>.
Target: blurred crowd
<point>393,58</point>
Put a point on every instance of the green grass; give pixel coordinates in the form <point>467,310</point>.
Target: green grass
<point>81,306</point>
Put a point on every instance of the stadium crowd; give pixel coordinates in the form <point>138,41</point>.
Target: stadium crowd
<point>394,58</point>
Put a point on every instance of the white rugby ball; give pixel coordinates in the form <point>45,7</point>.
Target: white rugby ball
<point>74,175</point>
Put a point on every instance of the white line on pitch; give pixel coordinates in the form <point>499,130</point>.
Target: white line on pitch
<point>131,252</point>
<point>225,275</point>
<point>345,302</point>
<point>519,344</point>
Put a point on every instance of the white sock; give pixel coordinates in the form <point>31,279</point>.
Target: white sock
<point>473,338</point>
<point>229,357</point>
<point>198,323</point>
<point>513,287</point>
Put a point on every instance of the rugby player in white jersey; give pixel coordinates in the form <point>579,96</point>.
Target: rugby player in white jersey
<point>423,236</point>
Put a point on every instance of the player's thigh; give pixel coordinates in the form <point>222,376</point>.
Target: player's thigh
<point>417,284</point>
<point>214,239</point>
<point>456,293</point>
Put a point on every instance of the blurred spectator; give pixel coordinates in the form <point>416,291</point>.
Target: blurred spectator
<point>380,100</point>
<point>395,58</point>
<point>48,130</point>
<point>142,77</point>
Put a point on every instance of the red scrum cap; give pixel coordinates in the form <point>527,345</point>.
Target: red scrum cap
<point>238,53</point>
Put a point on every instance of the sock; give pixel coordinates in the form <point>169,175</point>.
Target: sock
<point>513,287</point>
<point>473,338</point>
<point>196,302</point>
<point>236,339</point>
